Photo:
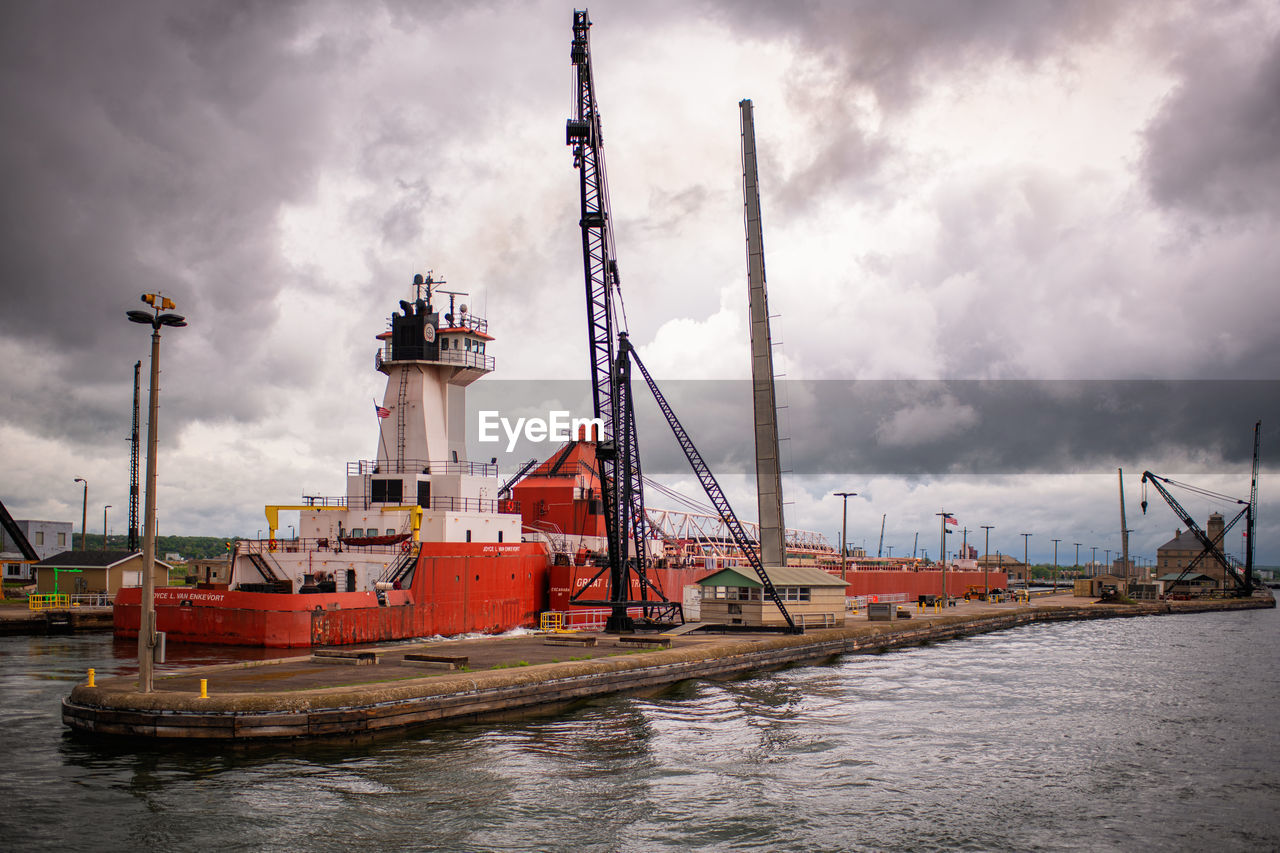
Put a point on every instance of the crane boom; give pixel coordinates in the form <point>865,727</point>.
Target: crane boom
<point>1251,521</point>
<point>1124,529</point>
<point>1212,548</point>
<point>714,493</point>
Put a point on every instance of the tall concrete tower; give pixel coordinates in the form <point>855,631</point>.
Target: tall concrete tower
<point>773,551</point>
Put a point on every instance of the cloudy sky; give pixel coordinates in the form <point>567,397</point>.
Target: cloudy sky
<point>1000,196</point>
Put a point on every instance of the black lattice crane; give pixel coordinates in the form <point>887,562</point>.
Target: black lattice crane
<point>611,355</point>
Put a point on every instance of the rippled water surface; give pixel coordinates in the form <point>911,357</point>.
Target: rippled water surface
<point>1153,733</point>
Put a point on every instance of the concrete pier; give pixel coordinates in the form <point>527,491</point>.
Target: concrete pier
<point>65,620</point>
<point>356,693</point>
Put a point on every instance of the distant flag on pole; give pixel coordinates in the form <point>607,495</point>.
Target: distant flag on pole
<point>381,411</point>
<point>951,520</point>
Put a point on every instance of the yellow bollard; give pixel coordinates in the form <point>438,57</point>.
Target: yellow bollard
<point>204,688</point>
<point>90,677</point>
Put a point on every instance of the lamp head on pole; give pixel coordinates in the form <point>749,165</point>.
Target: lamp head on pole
<point>155,321</point>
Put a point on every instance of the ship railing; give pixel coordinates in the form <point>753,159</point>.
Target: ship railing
<point>419,352</point>
<point>301,546</point>
<point>440,503</point>
<point>91,599</point>
<point>361,467</point>
<point>469,322</point>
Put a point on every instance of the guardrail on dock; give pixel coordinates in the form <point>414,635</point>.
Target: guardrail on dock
<point>48,601</point>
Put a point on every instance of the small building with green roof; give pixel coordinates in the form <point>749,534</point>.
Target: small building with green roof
<point>735,596</point>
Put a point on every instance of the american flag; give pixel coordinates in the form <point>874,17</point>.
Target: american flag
<point>951,520</point>
<point>382,411</point>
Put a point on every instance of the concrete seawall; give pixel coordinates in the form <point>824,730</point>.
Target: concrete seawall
<point>302,698</point>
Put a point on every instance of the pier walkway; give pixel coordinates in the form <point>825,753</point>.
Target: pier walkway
<point>361,691</point>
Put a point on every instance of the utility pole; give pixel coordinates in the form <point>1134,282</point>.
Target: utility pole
<point>1026,566</point>
<point>104,526</point>
<point>133,462</point>
<point>1055,564</point>
<point>1124,533</point>
<point>1077,567</point>
<point>84,516</point>
<point>942,549</point>
<point>1093,561</point>
<point>915,545</point>
<point>844,529</point>
<point>986,560</point>
<point>147,639</point>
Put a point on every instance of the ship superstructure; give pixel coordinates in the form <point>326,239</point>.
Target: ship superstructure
<point>419,544</point>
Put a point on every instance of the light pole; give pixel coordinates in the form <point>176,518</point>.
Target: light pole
<point>890,547</point>
<point>84,516</point>
<point>1077,567</point>
<point>1093,561</point>
<point>1107,551</point>
<point>104,526</point>
<point>942,550</point>
<point>986,560</point>
<point>844,529</point>
<point>1026,567</point>
<point>147,621</point>
<point>1055,564</point>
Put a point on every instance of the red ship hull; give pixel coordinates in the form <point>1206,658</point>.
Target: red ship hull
<point>457,588</point>
<point>566,580</point>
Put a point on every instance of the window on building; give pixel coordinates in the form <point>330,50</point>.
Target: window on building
<point>386,491</point>
<point>39,537</point>
<point>62,540</point>
<point>357,531</point>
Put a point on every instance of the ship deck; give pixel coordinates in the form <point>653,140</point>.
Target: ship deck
<point>330,695</point>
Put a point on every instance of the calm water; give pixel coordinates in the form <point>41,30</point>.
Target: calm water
<point>1137,734</point>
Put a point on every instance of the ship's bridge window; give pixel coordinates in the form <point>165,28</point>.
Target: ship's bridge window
<point>357,531</point>
<point>468,343</point>
<point>386,491</point>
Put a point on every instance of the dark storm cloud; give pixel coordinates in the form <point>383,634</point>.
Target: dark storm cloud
<point>895,51</point>
<point>148,147</point>
<point>922,429</point>
<point>1215,146</point>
